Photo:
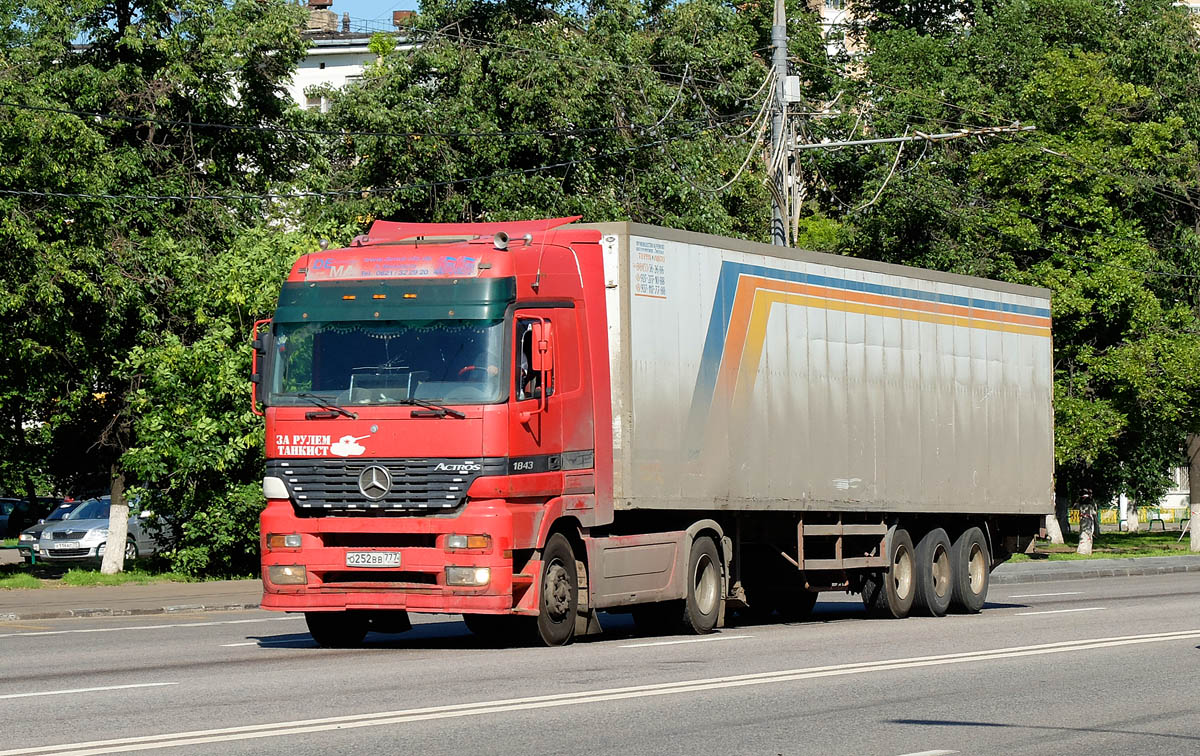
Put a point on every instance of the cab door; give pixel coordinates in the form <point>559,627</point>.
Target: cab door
<point>535,431</point>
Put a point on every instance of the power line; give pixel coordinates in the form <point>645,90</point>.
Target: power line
<point>349,192</point>
<point>331,132</point>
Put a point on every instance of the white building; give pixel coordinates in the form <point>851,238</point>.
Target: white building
<point>338,50</point>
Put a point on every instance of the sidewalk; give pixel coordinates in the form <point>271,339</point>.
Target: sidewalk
<point>166,598</point>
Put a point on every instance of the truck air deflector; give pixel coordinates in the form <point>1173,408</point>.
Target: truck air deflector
<point>468,299</point>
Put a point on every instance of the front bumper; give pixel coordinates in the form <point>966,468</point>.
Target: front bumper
<point>418,584</point>
<point>80,554</point>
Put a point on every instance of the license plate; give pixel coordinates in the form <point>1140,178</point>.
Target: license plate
<point>372,558</point>
<point>65,545</point>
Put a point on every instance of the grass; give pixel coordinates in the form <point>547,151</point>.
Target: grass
<point>1110,546</point>
<point>19,581</point>
<point>10,543</point>
<point>79,578</point>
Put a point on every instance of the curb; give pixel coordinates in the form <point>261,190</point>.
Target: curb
<point>1103,568</point>
<point>105,612</point>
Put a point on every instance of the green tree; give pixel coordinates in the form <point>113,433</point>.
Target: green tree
<point>96,276</point>
<point>1101,205</point>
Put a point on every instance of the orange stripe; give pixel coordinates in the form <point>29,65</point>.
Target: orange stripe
<point>977,313</point>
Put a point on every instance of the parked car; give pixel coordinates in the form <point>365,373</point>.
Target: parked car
<point>83,534</point>
<point>27,541</point>
<point>18,514</point>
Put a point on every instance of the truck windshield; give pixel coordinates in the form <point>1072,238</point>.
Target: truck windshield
<point>390,362</point>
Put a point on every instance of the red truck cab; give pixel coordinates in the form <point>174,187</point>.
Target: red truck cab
<point>438,428</point>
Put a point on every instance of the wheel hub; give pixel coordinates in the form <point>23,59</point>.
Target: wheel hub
<point>558,592</point>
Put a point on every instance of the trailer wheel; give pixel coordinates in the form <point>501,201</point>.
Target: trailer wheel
<point>934,574</point>
<point>703,602</point>
<point>890,593</point>
<point>971,566</point>
<point>336,629</point>
<point>560,592</point>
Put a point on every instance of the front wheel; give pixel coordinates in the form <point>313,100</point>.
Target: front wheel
<point>336,629</point>
<point>560,592</point>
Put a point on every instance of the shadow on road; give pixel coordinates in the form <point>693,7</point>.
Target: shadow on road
<point>1050,728</point>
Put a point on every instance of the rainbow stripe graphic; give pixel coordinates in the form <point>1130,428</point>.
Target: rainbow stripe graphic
<point>746,294</point>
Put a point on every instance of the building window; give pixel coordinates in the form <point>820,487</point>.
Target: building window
<point>315,103</point>
<point>835,4</point>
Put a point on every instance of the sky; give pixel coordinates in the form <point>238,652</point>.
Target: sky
<point>365,10</point>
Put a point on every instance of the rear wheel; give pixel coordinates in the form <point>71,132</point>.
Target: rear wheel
<point>560,592</point>
<point>336,629</point>
<point>890,593</point>
<point>934,573</point>
<point>970,565</point>
<point>703,602</point>
<point>131,551</point>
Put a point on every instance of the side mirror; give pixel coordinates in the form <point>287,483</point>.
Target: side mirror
<point>543,347</point>
<point>260,344</point>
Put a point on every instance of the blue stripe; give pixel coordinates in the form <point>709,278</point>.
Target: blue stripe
<point>892,291</point>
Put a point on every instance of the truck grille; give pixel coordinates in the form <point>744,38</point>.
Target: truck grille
<point>415,484</point>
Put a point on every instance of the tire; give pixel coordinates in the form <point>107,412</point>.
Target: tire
<point>336,629</point>
<point>131,551</point>
<point>890,593</point>
<point>934,574</point>
<point>559,594</point>
<point>702,605</point>
<point>970,565</point>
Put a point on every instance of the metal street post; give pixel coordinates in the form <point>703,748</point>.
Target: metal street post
<point>779,64</point>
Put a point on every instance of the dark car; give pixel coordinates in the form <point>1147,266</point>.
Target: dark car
<point>27,542</point>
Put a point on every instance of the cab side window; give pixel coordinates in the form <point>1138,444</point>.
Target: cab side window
<point>529,381</point>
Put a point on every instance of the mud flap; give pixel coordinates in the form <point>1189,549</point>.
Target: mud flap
<point>587,622</point>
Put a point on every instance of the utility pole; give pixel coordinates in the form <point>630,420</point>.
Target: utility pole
<point>779,219</point>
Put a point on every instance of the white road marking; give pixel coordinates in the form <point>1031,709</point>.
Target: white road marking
<point>705,639</point>
<point>1060,611</point>
<point>1040,595</point>
<point>554,700</point>
<point>929,753</point>
<point>147,627</point>
<point>85,690</point>
<point>261,643</point>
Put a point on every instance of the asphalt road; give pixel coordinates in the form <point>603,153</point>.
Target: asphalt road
<point>1100,666</point>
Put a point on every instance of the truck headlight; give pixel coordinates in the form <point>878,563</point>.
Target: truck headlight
<point>25,538</point>
<point>287,574</point>
<point>468,575</point>
<point>456,542</point>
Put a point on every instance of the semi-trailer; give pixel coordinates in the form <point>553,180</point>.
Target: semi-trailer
<point>530,422</point>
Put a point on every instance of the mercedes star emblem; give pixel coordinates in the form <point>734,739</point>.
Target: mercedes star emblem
<point>375,482</point>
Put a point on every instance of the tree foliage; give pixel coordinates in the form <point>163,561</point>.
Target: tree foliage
<point>123,319</point>
<point>1101,204</point>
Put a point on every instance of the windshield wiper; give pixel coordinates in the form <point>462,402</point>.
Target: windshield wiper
<point>324,404</point>
<point>436,410</point>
